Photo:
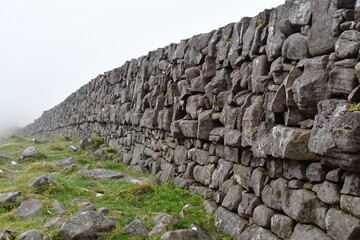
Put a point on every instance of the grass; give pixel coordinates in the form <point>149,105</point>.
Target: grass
<point>126,201</point>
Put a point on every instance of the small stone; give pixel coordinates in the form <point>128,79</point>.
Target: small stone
<point>184,234</point>
<point>165,219</point>
<point>58,207</point>
<point>233,198</point>
<point>31,235</point>
<point>350,204</point>
<point>182,214</point>
<point>136,229</point>
<point>29,152</point>
<point>335,175</point>
<point>316,172</point>
<point>7,234</point>
<point>351,185</point>
<point>296,184</point>
<point>44,180</point>
<point>10,197</point>
<point>308,232</point>
<point>86,142</point>
<point>188,206</point>
<point>230,223</point>
<point>210,207</point>
<point>73,148</point>
<point>54,223</point>
<point>103,211</point>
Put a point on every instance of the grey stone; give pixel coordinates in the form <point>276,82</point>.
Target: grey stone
<point>31,235</point>
<point>189,128</point>
<point>348,44</point>
<point>10,197</point>
<point>233,198</point>
<point>104,174</point>
<point>320,39</point>
<point>304,206</point>
<point>316,172</point>
<point>221,174</point>
<point>287,142</point>
<point>210,206</point>
<point>350,205</point>
<point>201,190</point>
<point>7,234</point>
<point>183,234</point>
<point>328,192</point>
<point>311,87</point>
<point>300,13</point>
<point>258,180</point>
<point>242,175</point>
<point>282,226</point>
<point>272,195</point>
<point>233,138</point>
<point>296,47</point>
<point>230,223</point>
<point>351,185</point>
<point>294,169</point>
<point>275,37</point>
<point>203,174</point>
<point>30,208</point>
<point>261,69</point>
<point>86,225</point>
<point>54,223</point>
<point>308,232</point>
<point>333,135</point>
<point>262,216</point>
<point>256,232</point>
<point>44,180</point>
<point>58,207</point>
<point>86,142</point>
<point>342,79</point>
<point>340,225</point>
<point>66,162</point>
<point>180,155</point>
<point>334,175</point>
<point>249,201</point>
<point>165,219</point>
<point>29,152</point>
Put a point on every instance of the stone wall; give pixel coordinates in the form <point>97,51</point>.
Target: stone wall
<point>257,116</point>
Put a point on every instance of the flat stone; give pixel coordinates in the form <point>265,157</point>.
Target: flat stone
<point>342,226</point>
<point>183,234</point>
<point>103,174</point>
<point>256,232</point>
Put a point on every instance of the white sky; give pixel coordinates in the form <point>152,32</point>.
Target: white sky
<point>50,48</point>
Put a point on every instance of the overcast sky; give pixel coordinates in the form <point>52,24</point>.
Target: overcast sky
<point>50,48</point>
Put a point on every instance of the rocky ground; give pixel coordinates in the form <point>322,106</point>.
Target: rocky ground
<point>61,189</point>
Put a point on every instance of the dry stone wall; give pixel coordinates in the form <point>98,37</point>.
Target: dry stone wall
<point>258,116</point>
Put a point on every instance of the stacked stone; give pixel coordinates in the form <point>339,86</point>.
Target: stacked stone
<point>257,116</point>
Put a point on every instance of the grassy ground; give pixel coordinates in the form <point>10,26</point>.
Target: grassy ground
<point>118,196</point>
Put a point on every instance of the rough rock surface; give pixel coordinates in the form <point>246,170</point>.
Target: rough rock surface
<point>30,208</point>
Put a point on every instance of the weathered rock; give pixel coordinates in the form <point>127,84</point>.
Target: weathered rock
<point>272,195</point>
<point>30,208</point>
<point>351,185</point>
<point>340,225</point>
<point>180,155</point>
<point>334,135</point>
<point>249,201</point>
<point>282,226</point>
<point>54,223</point>
<point>348,44</point>
<point>104,174</point>
<point>66,162</point>
<point>350,204</point>
<point>256,232</point>
<point>210,206</point>
<point>58,207</point>
<point>203,174</point>
<point>183,234</point>
<point>311,87</point>
<point>262,216</point>
<point>10,197</point>
<point>31,235</point>
<point>189,128</point>
<point>308,232</point>
<point>221,173</point>
<point>136,229</point>
<point>328,192</point>
<point>233,198</point>
<point>320,38</point>
<point>296,47</point>
<point>29,152</point>
<point>44,180</point>
<point>304,206</point>
<point>230,223</point>
<point>165,219</point>
<point>316,172</point>
<point>86,225</point>
<point>7,234</point>
<point>242,175</point>
<point>342,78</point>
<point>287,142</point>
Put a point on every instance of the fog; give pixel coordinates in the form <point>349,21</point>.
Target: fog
<point>50,48</point>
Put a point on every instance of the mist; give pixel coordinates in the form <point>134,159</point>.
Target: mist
<point>51,48</point>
